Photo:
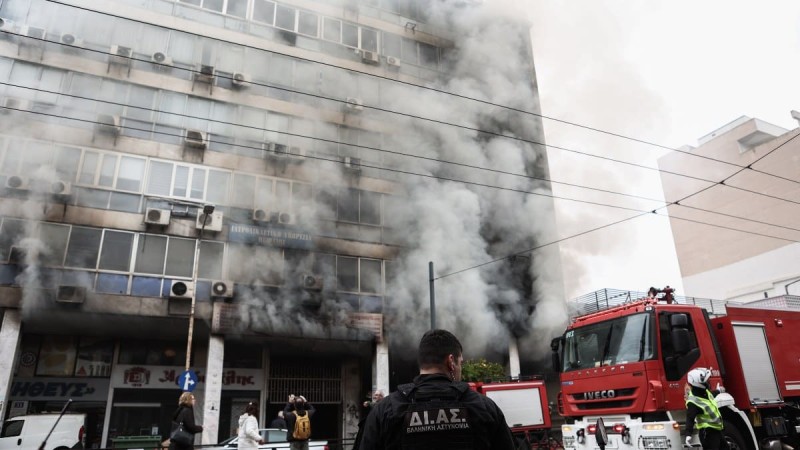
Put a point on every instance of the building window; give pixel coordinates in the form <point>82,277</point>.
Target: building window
<point>57,356</point>
<point>11,232</point>
<point>211,258</point>
<point>285,17</point>
<point>54,238</point>
<point>370,280</point>
<point>94,357</point>
<point>157,353</point>
<point>84,245</point>
<point>308,24</point>
<point>264,11</point>
<point>347,273</point>
<point>116,252</point>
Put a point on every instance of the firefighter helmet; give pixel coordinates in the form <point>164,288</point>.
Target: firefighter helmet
<point>699,377</point>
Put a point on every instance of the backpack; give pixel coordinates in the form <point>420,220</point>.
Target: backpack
<point>302,427</point>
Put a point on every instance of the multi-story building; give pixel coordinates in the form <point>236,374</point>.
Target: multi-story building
<point>266,180</point>
<point>737,240</point>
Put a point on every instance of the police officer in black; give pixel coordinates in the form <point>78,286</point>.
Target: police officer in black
<point>437,411</point>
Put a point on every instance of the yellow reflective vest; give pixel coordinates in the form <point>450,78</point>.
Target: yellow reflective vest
<point>710,417</point>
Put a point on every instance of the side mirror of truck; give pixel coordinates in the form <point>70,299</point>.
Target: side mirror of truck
<point>555,346</point>
<point>681,341</point>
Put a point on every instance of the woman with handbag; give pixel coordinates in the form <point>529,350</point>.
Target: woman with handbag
<point>183,427</point>
<point>249,437</point>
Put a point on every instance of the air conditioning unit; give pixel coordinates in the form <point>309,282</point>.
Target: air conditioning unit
<point>286,218</point>
<point>161,60</point>
<point>33,32</point>
<point>7,27</point>
<point>157,216</point>
<point>61,188</point>
<point>181,289</point>
<point>261,215</point>
<point>222,289</point>
<point>13,105</point>
<point>370,57</point>
<point>213,222</point>
<point>205,74</point>
<point>311,282</point>
<point>121,53</point>
<point>352,163</point>
<point>108,124</point>
<point>239,80</point>
<point>195,139</point>
<point>393,61</point>
<point>354,104</point>
<point>297,152</point>
<point>71,294</point>
<point>71,40</point>
<point>279,149</point>
<point>17,182</point>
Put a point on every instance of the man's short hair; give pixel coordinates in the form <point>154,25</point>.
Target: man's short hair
<point>435,346</point>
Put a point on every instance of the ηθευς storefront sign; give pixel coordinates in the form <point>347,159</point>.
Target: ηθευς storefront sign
<point>78,389</point>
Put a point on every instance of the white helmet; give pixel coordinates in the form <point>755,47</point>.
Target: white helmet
<point>699,377</point>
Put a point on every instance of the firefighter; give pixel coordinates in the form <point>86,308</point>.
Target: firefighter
<point>437,411</point>
<point>701,407</point>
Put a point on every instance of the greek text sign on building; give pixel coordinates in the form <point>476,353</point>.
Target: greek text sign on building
<point>271,236</point>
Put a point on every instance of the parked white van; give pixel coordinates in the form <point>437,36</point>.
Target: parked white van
<point>28,432</point>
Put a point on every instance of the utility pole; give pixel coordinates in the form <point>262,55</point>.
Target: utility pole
<point>207,211</point>
<point>433,295</point>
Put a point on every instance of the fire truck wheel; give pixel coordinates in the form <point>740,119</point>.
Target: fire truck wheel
<point>732,437</point>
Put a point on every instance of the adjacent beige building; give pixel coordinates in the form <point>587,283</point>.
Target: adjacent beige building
<point>752,250</point>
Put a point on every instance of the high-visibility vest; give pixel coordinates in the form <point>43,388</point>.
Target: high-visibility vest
<point>710,417</point>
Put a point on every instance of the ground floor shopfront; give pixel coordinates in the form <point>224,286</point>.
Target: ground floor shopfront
<point>127,386</point>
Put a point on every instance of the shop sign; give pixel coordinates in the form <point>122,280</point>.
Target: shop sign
<point>368,321</point>
<point>273,236</point>
<point>78,389</point>
<point>165,377</point>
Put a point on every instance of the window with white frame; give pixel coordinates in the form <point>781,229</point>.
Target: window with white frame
<point>112,171</point>
<point>359,275</point>
<point>116,251</point>
<point>264,11</point>
<point>168,179</point>
<point>236,8</point>
<point>164,255</point>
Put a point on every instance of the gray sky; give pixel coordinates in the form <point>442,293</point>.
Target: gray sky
<point>663,71</point>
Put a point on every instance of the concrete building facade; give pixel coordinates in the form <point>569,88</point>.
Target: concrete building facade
<point>123,121</point>
<point>754,252</point>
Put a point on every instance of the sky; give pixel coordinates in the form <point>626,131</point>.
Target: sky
<point>667,72</point>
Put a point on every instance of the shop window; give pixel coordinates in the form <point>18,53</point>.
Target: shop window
<point>347,273</point>
<point>57,356</point>
<point>156,353</point>
<point>94,357</point>
<point>84,244</point>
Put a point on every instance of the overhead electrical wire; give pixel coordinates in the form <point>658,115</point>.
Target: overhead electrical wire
<point>376,149</point>
<point>721,182</point>
<point>430,88</point>
<point>641,212</point>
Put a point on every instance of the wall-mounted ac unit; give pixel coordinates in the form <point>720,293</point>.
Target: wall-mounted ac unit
<point>261,215</point>
<point>222,289</point>
<point>181,289</point>
<point>352,163</point>
<point>312,282</point>
<point>71,40</point>
<point>286,218</point>
<point>13,105</point>
<point>71,294</point>
<point>213,221</point>
<point>121,54</point>
<point>157,216</point>
<point>205,74</point>
<point>297,152</point>
<point>33,32</point>
<point>239,80</point>
<point>161,60</point>
<point>393,61</point>
<point>108,124</point>
<point>17,182</point>
<point>61,188</point>
<point>370,57</point>
<point>7,27</point>
<point>195,139</point>
<point>354,104</point>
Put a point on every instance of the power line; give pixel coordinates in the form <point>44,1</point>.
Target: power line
<point>433,89</point>
<point>641,212</point>
<point>516,138</point>
<point>721,182</point>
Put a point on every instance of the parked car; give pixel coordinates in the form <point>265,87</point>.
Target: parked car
<point>28,432</point>
<point>274,439</point>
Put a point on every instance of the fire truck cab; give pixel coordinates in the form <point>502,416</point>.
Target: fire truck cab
<point>627,366</point>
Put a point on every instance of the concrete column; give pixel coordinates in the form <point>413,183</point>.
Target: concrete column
<point>513,357</point>
<point>213,390</point>
<point>382,365</point>
<point>9,347</point>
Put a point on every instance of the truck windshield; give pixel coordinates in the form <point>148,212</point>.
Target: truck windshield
<point>622,340</point>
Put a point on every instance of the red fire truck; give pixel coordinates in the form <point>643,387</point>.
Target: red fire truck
<point>525,406</point>
<point>623,373</point>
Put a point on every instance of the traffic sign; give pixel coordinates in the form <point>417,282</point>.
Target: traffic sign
<point>187,380</point>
